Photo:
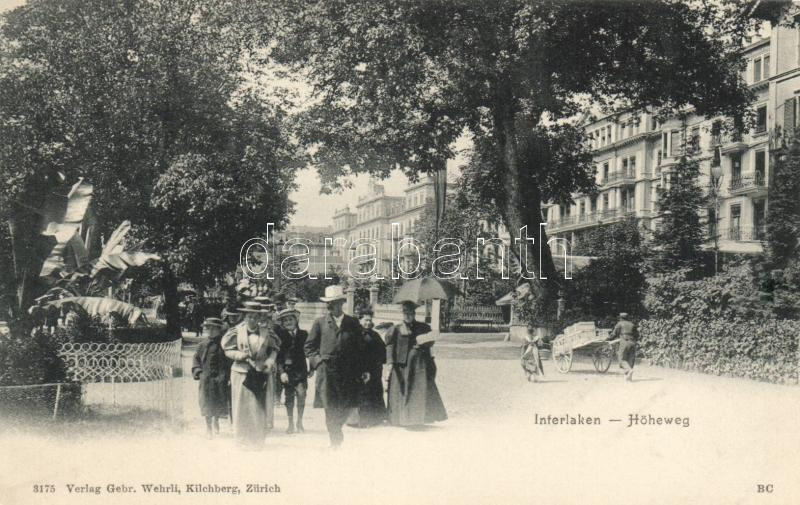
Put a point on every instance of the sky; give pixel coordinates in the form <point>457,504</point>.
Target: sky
<point>9,4</point>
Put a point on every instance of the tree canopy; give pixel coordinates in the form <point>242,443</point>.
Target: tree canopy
<point>397,82</point>
<point>153,103</point>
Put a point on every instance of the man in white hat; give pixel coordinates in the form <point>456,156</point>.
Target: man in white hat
<point>336,352</point>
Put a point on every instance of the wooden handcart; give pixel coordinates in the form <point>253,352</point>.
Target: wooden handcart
<point>585,338</point>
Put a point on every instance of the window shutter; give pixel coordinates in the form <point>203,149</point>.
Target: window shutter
<point>788,117</point>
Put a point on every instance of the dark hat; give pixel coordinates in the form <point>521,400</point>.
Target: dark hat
<point>213,321</point>
<point>409,303</point>
<point>279,298</point>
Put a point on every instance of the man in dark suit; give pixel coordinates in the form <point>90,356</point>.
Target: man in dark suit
<point>336,352</point>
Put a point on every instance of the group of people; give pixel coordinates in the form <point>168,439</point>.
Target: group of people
<point>244,365</point>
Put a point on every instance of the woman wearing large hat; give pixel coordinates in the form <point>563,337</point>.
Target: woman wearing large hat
<point>413,398</point>
<point>253,349</point>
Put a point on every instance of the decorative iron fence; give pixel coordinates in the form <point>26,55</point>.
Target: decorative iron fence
<point>133,375</point>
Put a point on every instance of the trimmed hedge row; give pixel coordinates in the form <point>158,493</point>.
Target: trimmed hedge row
<point>755,349</point>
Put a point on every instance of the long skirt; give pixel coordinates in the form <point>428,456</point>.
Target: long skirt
<point>251,415</point>
<point>413,396</point>
<point>371,409</point>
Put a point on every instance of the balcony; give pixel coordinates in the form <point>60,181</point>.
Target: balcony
<point>732,142</point>
<point>574,222</point>
<point>754,182</point>
<point>747,233</point>
<point>622,178</point>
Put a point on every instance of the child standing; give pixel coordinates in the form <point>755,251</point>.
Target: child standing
<point>531,361</point>
<point>293,368</point>
<point>213,369</point>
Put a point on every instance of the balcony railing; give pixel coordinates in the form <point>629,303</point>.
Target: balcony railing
<point>747,233</point>
<point>618,176</point>
<point>750,181</point>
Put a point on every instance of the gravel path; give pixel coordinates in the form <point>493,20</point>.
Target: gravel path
<point>740,434</point>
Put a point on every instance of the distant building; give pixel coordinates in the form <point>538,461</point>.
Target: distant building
<point>357,233</point>
<point>634,156</point>
<point>310,241</point>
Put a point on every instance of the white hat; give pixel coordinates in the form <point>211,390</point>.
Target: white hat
<point>335,292</point>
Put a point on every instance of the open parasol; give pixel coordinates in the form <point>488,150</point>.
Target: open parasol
<point>424,289</point>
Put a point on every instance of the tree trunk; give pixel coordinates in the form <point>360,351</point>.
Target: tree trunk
<point>522,207</point>
<point>170,291</point>
<point>27,259</point>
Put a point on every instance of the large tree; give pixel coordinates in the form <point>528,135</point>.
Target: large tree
<point>149,101</point>
<point>783,218</point>
<point>396,82</point>
<point>677,243</point>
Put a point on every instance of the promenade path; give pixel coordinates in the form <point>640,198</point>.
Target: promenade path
<point>733,435</point>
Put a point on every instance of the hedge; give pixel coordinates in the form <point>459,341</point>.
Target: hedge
<point>764,350</point>
<point>140,335</point>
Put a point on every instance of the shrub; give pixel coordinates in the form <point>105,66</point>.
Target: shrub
<point>141,335</point>
<point>737,293</point>
<point>762,349</point>
<point>30,357</point>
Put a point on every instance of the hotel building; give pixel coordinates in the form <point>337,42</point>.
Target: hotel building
<point>634,155</point>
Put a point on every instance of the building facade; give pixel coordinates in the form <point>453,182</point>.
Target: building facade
<point>634,155</point>
<point>366,234</point>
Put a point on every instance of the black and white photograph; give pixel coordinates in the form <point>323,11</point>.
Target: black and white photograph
<point>399,252</point>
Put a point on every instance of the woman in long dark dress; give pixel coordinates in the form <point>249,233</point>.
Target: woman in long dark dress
<point>371,410</point>
<point>413,396</point>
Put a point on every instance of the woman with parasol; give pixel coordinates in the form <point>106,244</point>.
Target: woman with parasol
<point>413,398</point>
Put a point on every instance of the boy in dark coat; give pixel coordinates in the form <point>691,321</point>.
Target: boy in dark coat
<point>212,368</point>
<point>292,368</point>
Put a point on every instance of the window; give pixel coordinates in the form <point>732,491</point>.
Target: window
<point>605,201</point>
<point>605,171</point>
<point>735,222</point>
<point>756,69</point>
<point>760,219</point>
<point>736,166</point>
<point>675,143</point>
<point>761,119</point>
<point>594,204</point>
<point>694,143</point>
<point>761,167</point>
<point>760,68</point>
<point>665,142</point>
<point>632,166</point>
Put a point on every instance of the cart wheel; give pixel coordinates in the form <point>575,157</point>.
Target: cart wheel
<point>563,362</point>
<point>602,358</point>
